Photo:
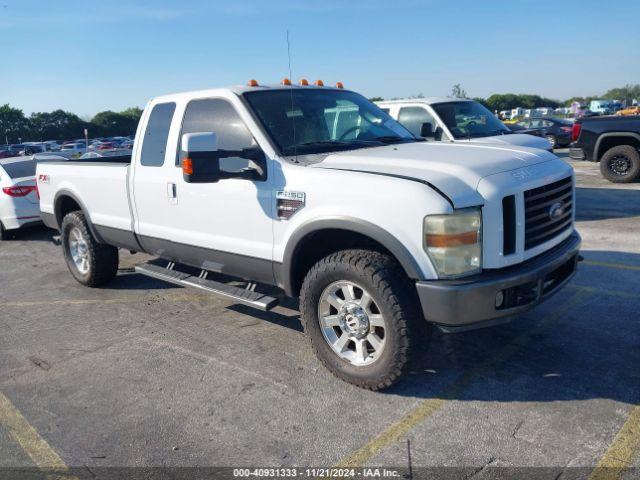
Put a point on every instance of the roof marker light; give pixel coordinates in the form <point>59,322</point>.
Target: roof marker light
<point>285,81</point>
<point>319,83</point>
<point>253,83</point>
<point>339,85</point>
<point>304,82</point>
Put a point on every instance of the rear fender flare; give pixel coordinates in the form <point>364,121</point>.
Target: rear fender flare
<point>596,151</point>
<point>57,205</point>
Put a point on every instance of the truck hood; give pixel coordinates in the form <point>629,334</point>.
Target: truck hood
<point>455,169</point>
<point>512,139</point>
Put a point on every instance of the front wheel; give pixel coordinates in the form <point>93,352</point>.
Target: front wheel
<point>620,164</point>
<point>91,263</point>
<point>361,317</point>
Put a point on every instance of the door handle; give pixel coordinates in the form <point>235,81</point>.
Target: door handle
<point>172,193</point>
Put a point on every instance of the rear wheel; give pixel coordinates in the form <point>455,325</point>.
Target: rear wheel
<point>4,235</point>
<point>621,164</point>
<point>91,263</point>
<point>361,317</point>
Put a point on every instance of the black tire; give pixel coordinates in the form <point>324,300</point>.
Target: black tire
<point>102,260</point>
<point>552,140</point>
<point>620,164</point>
<point>4,235</point>
<point>396,301</point>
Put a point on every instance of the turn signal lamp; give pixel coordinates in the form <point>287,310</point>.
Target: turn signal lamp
<point>339,85</point>
<point>187,166</point>
<point>319,83</point>
<point>253,83</point>
<point>285,81</point>
<point>304,82</point>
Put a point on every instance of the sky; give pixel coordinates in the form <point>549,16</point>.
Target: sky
<point>86,56</point>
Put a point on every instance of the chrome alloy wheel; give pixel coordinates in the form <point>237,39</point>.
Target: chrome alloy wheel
<point>79,250</point>
<point>351,323</point>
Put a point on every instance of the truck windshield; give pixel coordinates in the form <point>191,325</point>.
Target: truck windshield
<point>469,120</point>
<point>307,121</point>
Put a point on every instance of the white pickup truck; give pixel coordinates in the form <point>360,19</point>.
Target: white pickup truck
<point>317,191</point>
<point>457,120</point>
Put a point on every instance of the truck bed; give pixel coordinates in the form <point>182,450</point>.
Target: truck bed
<point>100,187</point>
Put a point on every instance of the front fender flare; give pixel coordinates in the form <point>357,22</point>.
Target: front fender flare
<point>392,244</point>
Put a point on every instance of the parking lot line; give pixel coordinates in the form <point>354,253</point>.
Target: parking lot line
<point>427,408</point>
<point>43,456</point>
<point>619,266</point>
<point>97,301</point>
<point>624,448</point>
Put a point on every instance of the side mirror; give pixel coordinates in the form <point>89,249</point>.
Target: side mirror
<point>199,142</point>
<point>427,130</point>
<point>202,161</point>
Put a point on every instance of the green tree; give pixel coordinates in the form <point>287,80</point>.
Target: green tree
<point>13,124</point>
<point>627,94</point>
<point>56,125</point>
<point>111,124</point>
<point>376,99</point>
<point>508,101</point>
<point>458,92</point>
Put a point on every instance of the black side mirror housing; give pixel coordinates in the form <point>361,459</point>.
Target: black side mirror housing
<point>426,130</point>
<point>204,167</point>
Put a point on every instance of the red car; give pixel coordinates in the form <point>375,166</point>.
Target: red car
<point>106,146</point>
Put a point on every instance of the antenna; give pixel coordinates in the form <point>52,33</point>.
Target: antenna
<point>293,117</point>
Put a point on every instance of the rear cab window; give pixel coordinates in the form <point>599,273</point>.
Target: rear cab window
<point>154,144</point>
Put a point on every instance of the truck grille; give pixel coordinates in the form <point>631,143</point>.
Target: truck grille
<point>548,212</point>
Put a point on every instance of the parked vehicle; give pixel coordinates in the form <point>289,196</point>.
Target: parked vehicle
<point>456,120</point>
<point>604,107</point>
<point>19,201</point>
<point>557,131</point>
<point>317,191</point>
<point>521,127</point>
<point>634,110</point>
<point>116,152</point>
<point>613,141</point>
<point>74,148</point>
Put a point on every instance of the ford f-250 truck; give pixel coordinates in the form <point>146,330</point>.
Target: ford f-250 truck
<point>373,229</point>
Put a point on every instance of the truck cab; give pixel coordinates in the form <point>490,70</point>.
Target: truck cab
<point>456,120</point>
<point>318,192</point>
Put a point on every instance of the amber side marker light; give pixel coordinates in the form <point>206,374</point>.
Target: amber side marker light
<point>339,85</point>
<point>304,82</point>
<point>444,240</point>
<point>319,83</point>
<point>285,81</point>
<point>187,166</point>
<point>253,83</point>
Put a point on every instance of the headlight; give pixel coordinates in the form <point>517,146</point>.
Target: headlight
<point>454,242</point>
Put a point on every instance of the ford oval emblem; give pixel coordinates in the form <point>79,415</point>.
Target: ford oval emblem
<point>556,211</point>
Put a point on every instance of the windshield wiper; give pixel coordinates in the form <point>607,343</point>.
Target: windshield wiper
<point>395,139</point>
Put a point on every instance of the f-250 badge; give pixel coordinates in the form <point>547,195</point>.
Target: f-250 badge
<point>289,203</point>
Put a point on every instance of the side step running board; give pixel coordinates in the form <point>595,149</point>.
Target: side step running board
<point>240,295</point>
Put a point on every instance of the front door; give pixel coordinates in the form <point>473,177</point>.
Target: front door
<point>224,226</point>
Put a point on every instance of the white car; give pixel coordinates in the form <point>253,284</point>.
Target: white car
<point>74,148</point>
<point>456,120</point>
<point>19,201</point>
<point>318,192</point>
